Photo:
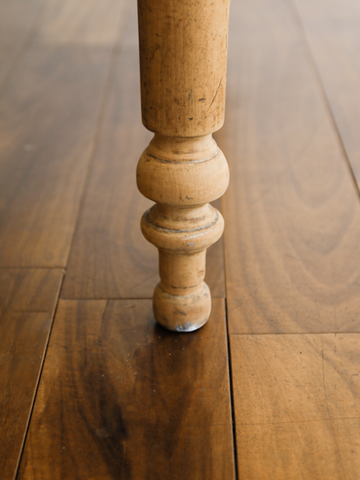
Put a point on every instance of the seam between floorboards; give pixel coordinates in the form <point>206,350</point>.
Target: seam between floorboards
<point>304,40</point>
<point>118,298</point>
<point>17,468</point>
<point>312,420</point>
<point>232,400</point>
<point>293,333</point>
<point>33,268</point>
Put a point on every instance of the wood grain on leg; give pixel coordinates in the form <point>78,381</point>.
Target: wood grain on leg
<point>183,53</point>
<point>121,397</point>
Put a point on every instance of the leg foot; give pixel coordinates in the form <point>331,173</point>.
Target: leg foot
<point>182,313</point>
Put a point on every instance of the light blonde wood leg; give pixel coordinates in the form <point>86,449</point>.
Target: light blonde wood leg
<point>183,51</point>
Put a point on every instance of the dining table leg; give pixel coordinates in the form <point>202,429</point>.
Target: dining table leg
<point>183,57</point>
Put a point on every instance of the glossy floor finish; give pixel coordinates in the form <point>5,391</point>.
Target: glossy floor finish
<point>90,386</point>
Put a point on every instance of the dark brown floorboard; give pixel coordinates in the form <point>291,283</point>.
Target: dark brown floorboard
<point>120,397</point>
<point>49,115</point>
<point>27,302</point>
<point>292,210</point>
<point>292,258</point>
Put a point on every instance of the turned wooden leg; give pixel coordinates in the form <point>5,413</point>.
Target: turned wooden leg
<point>183,51</point>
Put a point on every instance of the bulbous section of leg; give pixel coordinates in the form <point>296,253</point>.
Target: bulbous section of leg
<point>182,171</point>
<point>182,175</point>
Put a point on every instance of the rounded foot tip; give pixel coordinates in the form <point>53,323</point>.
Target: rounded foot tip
<point>182,313</point>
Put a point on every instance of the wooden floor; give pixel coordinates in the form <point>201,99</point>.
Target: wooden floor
<point>90,387</point>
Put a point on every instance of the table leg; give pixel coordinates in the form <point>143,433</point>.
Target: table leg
<point>183,53</point>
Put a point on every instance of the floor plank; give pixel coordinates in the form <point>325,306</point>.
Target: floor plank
<point>332,30</point>
<point>17,25</point>
<point>27,303</point>
<point>110,258</point>
<point>120,397</point>
<point>49,115</point>
<point>28,290</point>
<point>296,406</point>
<point>289,452</point>
<point>292,211</point>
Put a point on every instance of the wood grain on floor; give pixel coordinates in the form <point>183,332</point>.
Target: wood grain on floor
<point>48,118</point>
<point>292,258</point>
<point>292,210</point>
<point>296,405</point>
<point>120,397</point>
<point>27,303</point>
